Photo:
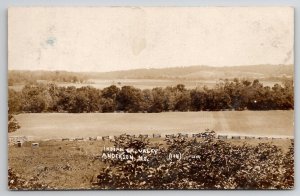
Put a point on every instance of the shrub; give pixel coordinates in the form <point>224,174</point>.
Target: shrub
<point>206,163</point>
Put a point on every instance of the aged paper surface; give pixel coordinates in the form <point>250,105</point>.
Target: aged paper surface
<point>151,98</point>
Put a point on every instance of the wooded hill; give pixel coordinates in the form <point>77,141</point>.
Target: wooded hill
<point>262,72</point>
<point>202,72</point>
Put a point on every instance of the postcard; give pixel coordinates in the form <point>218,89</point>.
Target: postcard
<point>150,98</point>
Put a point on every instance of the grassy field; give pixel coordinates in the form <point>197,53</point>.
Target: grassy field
<point>61,165</point>
<point>75,164</point>
<point>60,125</point>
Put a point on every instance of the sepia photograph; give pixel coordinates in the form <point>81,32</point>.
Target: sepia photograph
<point>150,98</point>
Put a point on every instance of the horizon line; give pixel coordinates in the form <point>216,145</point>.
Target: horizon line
<point>148,68</point>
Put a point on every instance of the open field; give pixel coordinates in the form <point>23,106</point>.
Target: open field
<point>61,125</point>
<point>142,83</point>
<point>61,165</point>
<point>75,164</point>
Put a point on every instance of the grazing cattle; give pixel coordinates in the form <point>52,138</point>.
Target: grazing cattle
<point>122,136</point>
<point>202,135</point>
<point>143,136</point>
<point>263,138</point>
<point>196,135</point>
<point>19,143</point>
<point>128,136</point>
<point>156,135</point>
<point>35,145</point>
<point>182,135</point>
<point>208,134</point>
<point>170,136</point>
<point>222,137</point>
<point>92,138</point>
<point>98,138</point>
<point>185,135</point>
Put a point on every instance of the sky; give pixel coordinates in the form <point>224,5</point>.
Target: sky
<point>99,39</point>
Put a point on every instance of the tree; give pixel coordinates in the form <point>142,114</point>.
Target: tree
<point>289,93</point>
<point>14,101</point>
<point>147,100</point>
<point>107,105</point>
<point>158,100</point>
<point>169,99</point>
<point>87,100</point>
<point>183,98</point>
<point>13,125</point>
<point>111,92</point>
<point>14,106</point>
<point>197,99</point>
<point>66,101</point>
<point>53,92</point>
<point>108,100</point>
<point>129,99</point>
<point>36,98</point>
<point>227,94</point>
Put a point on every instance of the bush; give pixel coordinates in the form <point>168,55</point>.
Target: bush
<point>15,182</point>
<point>215,164</point>
<point>13,124</point>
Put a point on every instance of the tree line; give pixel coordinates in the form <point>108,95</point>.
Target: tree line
<point>31,77</point>
<point>225,95</point>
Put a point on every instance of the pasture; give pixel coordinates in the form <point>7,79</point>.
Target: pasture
<point>69,125</point>
<point>75,165</point>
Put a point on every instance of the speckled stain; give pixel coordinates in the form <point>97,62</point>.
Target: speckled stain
<point>138,45</point>
<point>51,41</point>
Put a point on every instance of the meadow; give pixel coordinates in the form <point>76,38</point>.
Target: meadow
<point>275,123</point>
<point>78,165</point>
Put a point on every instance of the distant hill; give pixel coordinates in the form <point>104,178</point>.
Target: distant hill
<point>263,72</point>
<point>201,72</point>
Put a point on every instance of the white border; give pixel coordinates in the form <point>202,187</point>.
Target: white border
<point>4,4</point>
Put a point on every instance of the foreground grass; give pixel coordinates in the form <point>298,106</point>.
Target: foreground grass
<point>76,164</point>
